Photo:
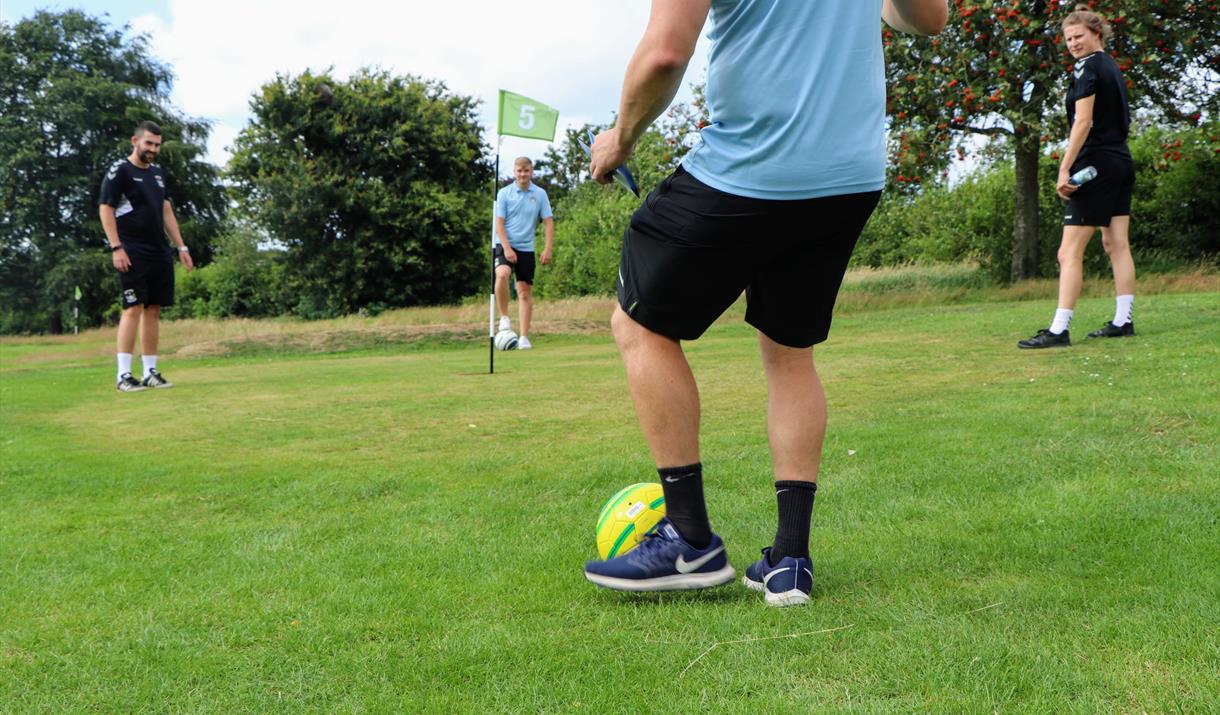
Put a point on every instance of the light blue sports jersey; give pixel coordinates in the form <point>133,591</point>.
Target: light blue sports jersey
<point>796,93</point>
<point>520,209</point>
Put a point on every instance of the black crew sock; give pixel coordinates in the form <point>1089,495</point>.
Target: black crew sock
<point>684,505</point>
<point>795,512</point>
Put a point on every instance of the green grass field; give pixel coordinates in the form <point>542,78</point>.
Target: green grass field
<point>376,525</point>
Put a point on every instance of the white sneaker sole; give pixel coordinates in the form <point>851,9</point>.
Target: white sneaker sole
<point>674,582</point>
<point>795,597</point>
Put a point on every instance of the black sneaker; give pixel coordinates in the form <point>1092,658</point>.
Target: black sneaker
<point>156,379</point>
<point>1046,339</point>
<point>1110,330</point>
<point>127,383</point>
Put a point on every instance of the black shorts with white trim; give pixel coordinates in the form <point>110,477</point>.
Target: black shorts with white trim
<point>1108,195</point>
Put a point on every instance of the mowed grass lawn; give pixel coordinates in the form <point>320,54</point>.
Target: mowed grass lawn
<point>394,530</point>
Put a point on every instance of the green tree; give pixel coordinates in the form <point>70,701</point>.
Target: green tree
<point>970,220</point>
<point>564,166</point>
<point>71,91</point>
<point>590,218</point>
<point>999,70</point>
<point>246,280</point>
<point>1176,199</point>
<point>378,195</point>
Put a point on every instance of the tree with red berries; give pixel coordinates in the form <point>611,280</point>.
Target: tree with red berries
<point>1000,70</point>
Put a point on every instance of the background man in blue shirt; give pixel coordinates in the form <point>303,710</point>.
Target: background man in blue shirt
<point>518,208</point>
<point>796,96</point>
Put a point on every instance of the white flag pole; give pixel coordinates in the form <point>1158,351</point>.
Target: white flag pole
<point>491,307</point>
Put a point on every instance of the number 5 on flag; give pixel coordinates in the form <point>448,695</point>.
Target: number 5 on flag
<point>521,116</point>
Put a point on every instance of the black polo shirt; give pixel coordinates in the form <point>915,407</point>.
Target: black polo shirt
<point>1097,75</point>
<point>138,197</point>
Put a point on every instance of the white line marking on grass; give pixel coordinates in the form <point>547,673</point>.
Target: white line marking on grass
<point>765,638</point>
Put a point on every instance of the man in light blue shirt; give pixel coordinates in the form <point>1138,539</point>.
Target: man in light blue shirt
<point>771,202</point>
<point>518,208</point>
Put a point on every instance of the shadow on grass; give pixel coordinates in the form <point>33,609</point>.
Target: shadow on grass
<point>731,592</point>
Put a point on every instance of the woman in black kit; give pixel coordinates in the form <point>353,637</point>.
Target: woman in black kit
<point>1098,114</point>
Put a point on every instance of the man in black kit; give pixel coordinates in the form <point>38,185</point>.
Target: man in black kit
<point>136,215</point>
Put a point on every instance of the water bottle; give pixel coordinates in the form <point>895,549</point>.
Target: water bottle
<point>1086,174</point>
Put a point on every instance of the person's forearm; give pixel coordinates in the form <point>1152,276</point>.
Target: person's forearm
<point>171,227</point>
<point>653,77</point>
<point>502,234</point>
<point>109,225</point>
<point>175,235</point>
<point>550,234</point>
<point>650,85</point>
<point>1080,132</point>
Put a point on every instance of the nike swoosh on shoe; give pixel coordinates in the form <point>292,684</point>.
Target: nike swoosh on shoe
<point>684,566</point>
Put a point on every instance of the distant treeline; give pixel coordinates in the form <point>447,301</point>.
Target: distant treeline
<point>378,196</point>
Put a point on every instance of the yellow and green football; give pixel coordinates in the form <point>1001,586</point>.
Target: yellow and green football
<point>627,517</point>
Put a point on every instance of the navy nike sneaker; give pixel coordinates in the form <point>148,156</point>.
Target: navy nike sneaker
<point>787,583</point>
<point>664,562</point>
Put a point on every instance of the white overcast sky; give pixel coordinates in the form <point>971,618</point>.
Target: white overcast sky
<point>569,54</point>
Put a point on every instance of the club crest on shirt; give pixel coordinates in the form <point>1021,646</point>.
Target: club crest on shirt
<point>160,181</point>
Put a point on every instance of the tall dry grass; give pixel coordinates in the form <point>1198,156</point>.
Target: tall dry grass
<point>863,290</point>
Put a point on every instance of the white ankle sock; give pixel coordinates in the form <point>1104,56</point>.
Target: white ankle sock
<point>1063,318</point>
<point>124,365</point>
<point>1122,310</point>
<point>150,362</point>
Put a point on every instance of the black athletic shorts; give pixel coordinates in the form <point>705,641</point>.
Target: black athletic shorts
<point>691,250</point>
<point>150,281</point>
<point>524,267</point>
<point>1106,196</point>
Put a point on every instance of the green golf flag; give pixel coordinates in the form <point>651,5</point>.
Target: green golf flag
<point>521,116</point>
<point>78,292</point>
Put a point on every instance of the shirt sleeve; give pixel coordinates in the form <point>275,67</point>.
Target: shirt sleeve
<point>544,206</point>
<point>111,193</point>
<point>1084,83</point>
